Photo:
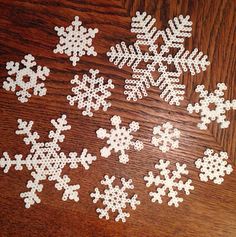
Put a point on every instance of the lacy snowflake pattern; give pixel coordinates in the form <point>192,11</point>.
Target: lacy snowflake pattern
<point>46,161</point>
<point>91,92</point>
<point>115,198</point>
<point>168,183</point>
<point>220,106</point>
<point>119,139</point>
<point>213,166</point>
<point>166,137</point>
<point>27,75</point>
<point>75,41</point>
<point>157,58</point>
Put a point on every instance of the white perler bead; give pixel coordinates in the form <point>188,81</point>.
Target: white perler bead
<point>26,78</point>
<point>157,57</point>
<point>213,166</point>
<point>168,183</point>
<point>115,198</point>
<point>90,93</point>
<point>75,41</point>
<point>166,137</point>
<point>217,100</point>
<point>119,139</point>
<point>46,161</point>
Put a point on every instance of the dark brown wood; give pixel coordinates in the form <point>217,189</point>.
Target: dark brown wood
<point>28,27</point>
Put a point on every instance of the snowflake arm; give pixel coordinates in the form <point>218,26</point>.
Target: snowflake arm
<point>6,162</point>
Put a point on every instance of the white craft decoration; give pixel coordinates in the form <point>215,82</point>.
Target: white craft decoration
<point>75,41</point>
<point>119,139</point>
<point>115,198</point>
<point>217,100</point>
<point>168,183</point>
<point>90,93</point>
<point>213,166</point>
<point>166,137</point>
<point>157,57</point>
<point>46,161</point>
<point>27,75</point>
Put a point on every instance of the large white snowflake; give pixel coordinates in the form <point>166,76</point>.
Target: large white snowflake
<point>168,183</point>
<point>119,139</point>
<point>146,57</point>
<point>215,99</point>
<point>46,161</point>
<point>166,137</point>
<point>91,92</point>
<point>26,78</point>
<point>75,41</point>
<point>213,166</point>
<point>115,198</point>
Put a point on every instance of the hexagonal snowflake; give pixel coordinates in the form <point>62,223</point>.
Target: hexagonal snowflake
<point>119,139</point>
<point>220,106</point>
<point>26,78</point>
<point>75,41</point>
<point>115,198</point>
<point>213,166</point>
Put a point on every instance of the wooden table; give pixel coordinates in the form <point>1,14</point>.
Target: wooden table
<point>28,27</point>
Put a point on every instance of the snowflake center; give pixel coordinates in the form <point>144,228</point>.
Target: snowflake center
<point>116,198</point>
<point>120,138</point>
<point>212,106</point>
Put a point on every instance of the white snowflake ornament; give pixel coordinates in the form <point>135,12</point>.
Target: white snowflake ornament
<point>115,198</point>
<point>166,137</point>
<point>168,183</point>
<point>91,93</point>
<point>213,166</point>
<point>145,56</point>
<point>220,106</point>
<point>75,41</point>
<point>27,77</point>
<point>119,139</point>
<point>46,161</point>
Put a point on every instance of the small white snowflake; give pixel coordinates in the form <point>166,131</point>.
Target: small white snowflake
<point>213,166</point>
<point>91,92</point>
<point>145,57</point>
<point>166,137</point>
<point>115,198</point>
<point>119,139</point>
<point>26,78</point>
<point>220,106</point>
<point>75,41</point>
<point>46,161</point>
<point>168,182</point>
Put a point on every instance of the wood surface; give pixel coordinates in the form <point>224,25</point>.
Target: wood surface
<point>28,27</point>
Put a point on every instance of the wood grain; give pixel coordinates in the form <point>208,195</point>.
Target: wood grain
<point>28,27</point>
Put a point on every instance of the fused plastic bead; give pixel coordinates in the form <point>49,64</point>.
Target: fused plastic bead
<point>26,78</point>
<point>217,100</point>
<point>157,60</point>
<point>90,93</point>
<point>46,161</point>
<point>115,198</point>
<point>166,137</point>
<point>168,183</point>
<point>75,41</point>
<point>119,139</point>
<point>213,166</point>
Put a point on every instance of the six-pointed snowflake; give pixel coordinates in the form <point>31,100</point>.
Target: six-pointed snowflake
<point>46,161</point>
<point>119,139</point>
<point>168,182</point>
<point>213,166</point>
<point>115,198</point>
<point>75,41</point>
<point>157,58</point>
<point>91,92</point>
<point>220,106</point>
<point>26,78</point>
<point>166,137</point>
